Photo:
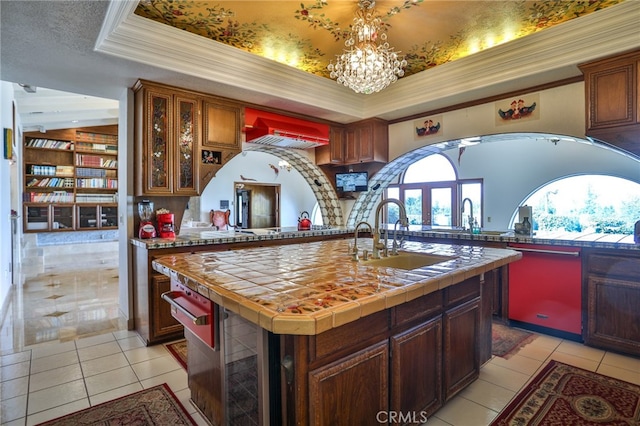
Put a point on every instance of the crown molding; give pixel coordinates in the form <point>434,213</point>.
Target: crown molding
<point>540,58</point>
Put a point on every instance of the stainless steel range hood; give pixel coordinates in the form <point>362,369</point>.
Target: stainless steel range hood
<point>284,132</point>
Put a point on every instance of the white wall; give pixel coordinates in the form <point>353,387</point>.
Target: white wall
<point>296,195</point>
<point>513,169</point>
<point>6,121</point>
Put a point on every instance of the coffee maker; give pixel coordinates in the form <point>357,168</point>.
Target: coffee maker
<point>145,211</point>
<point>165,225</point>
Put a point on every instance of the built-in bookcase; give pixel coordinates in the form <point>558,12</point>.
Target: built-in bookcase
<point>71,179</point>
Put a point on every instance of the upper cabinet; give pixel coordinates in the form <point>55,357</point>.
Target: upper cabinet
<point>178,147</point>
<point>612,88</point>
<point>366,141</point>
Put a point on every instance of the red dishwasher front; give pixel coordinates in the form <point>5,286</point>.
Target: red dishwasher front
<point>194,311</point>
<point>545,288</point>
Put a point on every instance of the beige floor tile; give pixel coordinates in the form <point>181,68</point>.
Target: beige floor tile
<point>631,376</point>
<point>176,380</point>
<point>460,411</point>
<point>621,361</point>
<point>145,353</point>
<point>538,352</point>
<point>110,380</point>
<point>13,371</point>
<point>56,395</point>
<point>580,350</point>
<point>115,393</point>
<point>575,361</point>
<point>98,351</point>
<point>542,340</point>
<point>155,367</point>
<point>131,342</point>
<point>51,378</point>
<point>13,409</point>
<point>54,361</point>
<point>488,395</point>
<point>51,348</point>
<point>13,388</point>
<point>14,358</point>
<point>56,412</point>
<point>104,364</point>
<point>94,340</point>
<point>518,363</point>
<point>504,377</point>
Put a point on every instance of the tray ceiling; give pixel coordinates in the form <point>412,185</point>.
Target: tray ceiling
<point>309,35</point>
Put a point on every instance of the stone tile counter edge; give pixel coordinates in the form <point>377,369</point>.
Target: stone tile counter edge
<point>306,289</point>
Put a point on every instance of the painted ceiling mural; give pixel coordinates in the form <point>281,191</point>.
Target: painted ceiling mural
<point>308,35</point>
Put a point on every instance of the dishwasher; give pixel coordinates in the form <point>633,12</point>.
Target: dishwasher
<point>545,290</point>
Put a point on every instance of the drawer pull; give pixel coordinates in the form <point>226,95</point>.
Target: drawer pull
<point>542,316</point>
<point>170,298</point>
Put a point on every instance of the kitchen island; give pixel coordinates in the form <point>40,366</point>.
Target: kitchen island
<point>336,341</point>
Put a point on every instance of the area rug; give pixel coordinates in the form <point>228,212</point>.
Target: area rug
<point>179,351</point>
<point>506,341</point>
<point>154,406</point>
<point>565,395</point>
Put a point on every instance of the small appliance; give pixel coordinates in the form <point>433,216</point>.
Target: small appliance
<point>304,223</point>
<point>145,211</point>
<point>165,225</point>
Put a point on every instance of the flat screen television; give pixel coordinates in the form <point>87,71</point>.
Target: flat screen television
<point>352,182</point>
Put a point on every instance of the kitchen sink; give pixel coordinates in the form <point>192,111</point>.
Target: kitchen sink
<point>407,260</point>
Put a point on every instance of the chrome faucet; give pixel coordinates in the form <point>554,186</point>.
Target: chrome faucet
<point>377,245</point>
<point>470,213</point>
<point>354,253</point>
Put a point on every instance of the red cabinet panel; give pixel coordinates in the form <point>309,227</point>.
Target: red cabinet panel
<point>545,287</point>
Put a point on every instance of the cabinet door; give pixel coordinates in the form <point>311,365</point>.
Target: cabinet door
<point>365,143</point>
<point>63,218</point>
<point>186,147</point>
<point>109,216</point>
<point>351,154</point>
<point>613,317</point>
<point>88,217</point>
<point>461,347</point>
<point>36,218</point>
<point>156,156</point>
<point>221,125</point>
<point>612,94</point>
<point>416,370</point>
<point>352,390</point>
<point>162,322</point>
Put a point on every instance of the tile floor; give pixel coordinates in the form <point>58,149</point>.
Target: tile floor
<point>51,365</point>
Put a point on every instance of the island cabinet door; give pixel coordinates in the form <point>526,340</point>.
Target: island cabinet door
<point>352,390</point>
<point>461,346</point>
<point>163,325</point>
<point>416,371</point>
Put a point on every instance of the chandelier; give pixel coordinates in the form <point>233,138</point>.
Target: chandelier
<point>369,64</point>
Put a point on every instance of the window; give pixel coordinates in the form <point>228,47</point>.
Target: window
<point>429,190</point>
<point>586,203</point>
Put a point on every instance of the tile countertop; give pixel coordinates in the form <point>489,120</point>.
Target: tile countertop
<point>305,289</point>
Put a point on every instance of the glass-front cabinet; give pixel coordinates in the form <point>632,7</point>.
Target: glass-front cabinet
<point>63,217</point>
<point>94,216</point>
<point>167,133</point>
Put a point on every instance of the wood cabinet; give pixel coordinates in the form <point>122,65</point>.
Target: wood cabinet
<point>612,89</point>
<point>410,358</point>
<point>167,129</point>
<point>416,369</point>
<point>362,142</point>
<point>182,137</point>
<point>65,170</point>
<point>461,347</point>
<point>162,322</point>
<point>612,297</point>
<point>352,389</point>
<point>97,216</point>
<point>333,153</point>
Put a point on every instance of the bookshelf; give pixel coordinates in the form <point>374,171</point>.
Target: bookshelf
<point>71,179</point>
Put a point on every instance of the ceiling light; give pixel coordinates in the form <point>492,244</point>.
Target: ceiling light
<point>369,64</point>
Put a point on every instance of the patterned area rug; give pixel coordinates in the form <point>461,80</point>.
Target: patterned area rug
<point>179,351</point>
<point>506,341</point>
<point>153,406</point>
<point>565,395</point>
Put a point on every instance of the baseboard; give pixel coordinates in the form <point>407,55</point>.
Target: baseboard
<point>546,330</point>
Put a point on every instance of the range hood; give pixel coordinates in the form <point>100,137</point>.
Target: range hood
<point>283,132</point>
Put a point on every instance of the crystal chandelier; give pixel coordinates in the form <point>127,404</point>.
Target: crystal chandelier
<point>369,64</point>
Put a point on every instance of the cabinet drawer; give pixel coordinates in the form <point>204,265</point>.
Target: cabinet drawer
<point>466,290</point>
<point>421,308</point>
<point>614,266</point>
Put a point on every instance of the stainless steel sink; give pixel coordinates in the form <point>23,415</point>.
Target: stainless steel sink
<point>407,260</point>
